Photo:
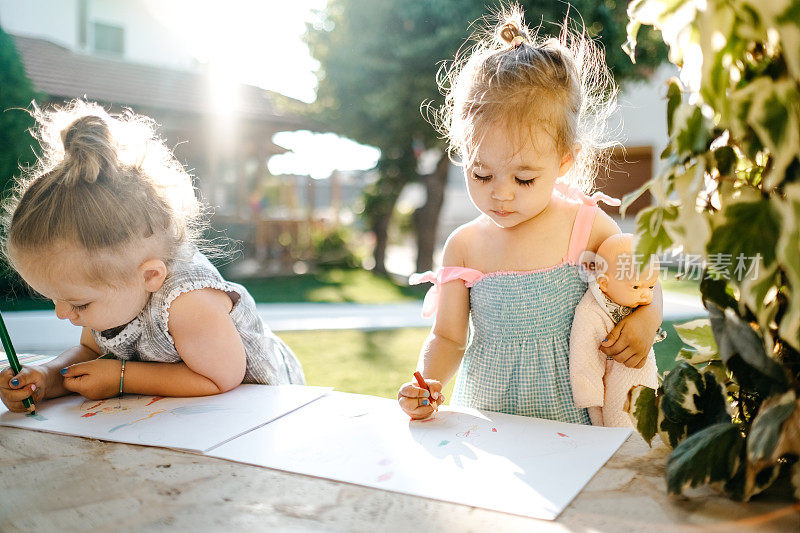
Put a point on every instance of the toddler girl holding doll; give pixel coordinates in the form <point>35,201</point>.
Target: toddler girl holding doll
<point>526,117</point>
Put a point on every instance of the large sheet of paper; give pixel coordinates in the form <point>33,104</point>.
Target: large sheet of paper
<point>508,463</point>
<point>192,424</point>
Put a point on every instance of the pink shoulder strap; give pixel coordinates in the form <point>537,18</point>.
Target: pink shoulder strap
<point>587,210</point>
<point>444,275</point>
<point>581,230</point>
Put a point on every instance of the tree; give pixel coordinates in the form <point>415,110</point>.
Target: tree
<point>730,193</point>
<point>379,60</point>
<point>16,94</point>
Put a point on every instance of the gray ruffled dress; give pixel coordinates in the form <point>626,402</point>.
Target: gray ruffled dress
<point>147,338</point>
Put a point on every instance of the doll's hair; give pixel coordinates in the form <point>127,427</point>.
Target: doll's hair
<point>106,184</point>
<point>514,79</point>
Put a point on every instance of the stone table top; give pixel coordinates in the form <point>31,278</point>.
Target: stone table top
<point>54,482</point>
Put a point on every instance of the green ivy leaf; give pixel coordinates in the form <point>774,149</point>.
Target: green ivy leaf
<point>767,426</point>
<point>717,291</point>
<point>642,407</point>
<point>790,36</point>
<point>788,253</point>
<point>652,237</point>
<point>691,130</point>
<point>690,401</point>
<point>710,455</point>
<point>698,335</point>
<point>775,117</point>
<point>694,358</point>
<point>631,197</point>
<point>743,353</point>
<point>674,97</point>
<point>750,231</point>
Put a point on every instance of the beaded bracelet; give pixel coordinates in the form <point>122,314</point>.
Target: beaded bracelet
<point>121,377</point>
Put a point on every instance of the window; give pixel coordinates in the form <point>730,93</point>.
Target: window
<point>109,39</point>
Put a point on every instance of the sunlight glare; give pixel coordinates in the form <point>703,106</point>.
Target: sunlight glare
<point>319,154</point>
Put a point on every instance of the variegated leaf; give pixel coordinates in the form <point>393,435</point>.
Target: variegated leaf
<point>767,426</point>
<point>788,254</point>
<point>651,237</point>
<point>713,454</point>
<point>642,406</point>
<point>698,335</point>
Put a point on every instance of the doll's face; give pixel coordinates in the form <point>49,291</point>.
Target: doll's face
<point>627,286</point>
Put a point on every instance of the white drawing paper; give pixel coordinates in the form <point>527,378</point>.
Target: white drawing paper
<point>192,424</point>
<point>508,463</point>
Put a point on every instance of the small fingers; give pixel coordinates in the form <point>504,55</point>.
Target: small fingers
<point>410,390</point>
<point>17,395</point>
<point>421,412</point>
<point>625,356</point>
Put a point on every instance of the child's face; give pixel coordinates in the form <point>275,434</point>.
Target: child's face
<point>512,176</point>
<point>84,303</point>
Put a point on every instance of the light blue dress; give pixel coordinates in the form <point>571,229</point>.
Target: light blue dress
<point>517,360</point>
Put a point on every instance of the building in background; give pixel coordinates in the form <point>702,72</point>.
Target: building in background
<point>118,54</point>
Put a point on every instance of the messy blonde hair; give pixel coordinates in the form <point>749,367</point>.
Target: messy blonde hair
<point>104,183</point>
<point>512,78</point>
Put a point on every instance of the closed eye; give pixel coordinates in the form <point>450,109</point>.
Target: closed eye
<point>81,307</point>
<point>525,183</point>
<point>479,177</point>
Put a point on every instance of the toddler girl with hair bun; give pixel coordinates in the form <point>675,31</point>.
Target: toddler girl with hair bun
<point>106,226</point>
<point>527,119</point>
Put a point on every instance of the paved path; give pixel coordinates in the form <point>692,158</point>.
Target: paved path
<point>42,332</point>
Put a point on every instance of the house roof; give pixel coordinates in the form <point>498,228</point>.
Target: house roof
<point>60,72</point>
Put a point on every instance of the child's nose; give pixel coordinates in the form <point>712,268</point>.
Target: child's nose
<point>502,192</point>
<point>63,310</point>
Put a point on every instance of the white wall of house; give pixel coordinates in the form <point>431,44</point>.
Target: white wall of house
<point>146,40</point>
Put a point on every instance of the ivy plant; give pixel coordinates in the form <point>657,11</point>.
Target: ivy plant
<point>729,192</point>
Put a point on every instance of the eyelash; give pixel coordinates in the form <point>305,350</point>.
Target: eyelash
<point>484,179</point>
<point>80,307</point>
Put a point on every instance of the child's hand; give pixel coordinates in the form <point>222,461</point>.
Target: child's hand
<point>29,383</point>
<point>94,380</point>
<point>416,401</point>
<point>629,342</point>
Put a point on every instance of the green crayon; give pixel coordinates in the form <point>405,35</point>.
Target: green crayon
<point>12,357</point>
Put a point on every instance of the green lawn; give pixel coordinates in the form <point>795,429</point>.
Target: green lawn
<point>377,362</point>
<point>327,286</point>
<point>332,286</point>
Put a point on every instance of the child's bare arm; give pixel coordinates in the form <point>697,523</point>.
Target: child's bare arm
<point>631,339</point>
<point>444,347</point>
<point>212,353</point>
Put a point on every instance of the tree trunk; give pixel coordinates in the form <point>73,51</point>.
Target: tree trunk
<point>426,218</point>
<point>380,218</point>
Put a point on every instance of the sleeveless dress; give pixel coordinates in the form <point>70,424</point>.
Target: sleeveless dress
<point>517,360</point>
<point>147,338</point>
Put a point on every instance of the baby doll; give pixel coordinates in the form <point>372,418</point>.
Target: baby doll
<point>598,382</point>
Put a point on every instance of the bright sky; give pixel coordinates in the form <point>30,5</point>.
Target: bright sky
<point>259,42</point>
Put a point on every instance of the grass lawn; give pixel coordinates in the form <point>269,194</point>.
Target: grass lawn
<point>327,286</point>
<point>377,362</point>
<point>332,286</point>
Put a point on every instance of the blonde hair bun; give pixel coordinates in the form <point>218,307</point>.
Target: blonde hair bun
<point>89,151</point>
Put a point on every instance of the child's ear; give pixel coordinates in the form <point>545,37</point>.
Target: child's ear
<point>568,159</point>
<point>602,282</point>
<point>153,272</point>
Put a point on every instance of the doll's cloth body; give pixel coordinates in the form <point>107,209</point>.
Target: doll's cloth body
<point>597,380</point>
